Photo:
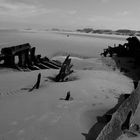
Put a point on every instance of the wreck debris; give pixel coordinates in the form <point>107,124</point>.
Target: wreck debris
<point>121,118</point>
<point>129,49</point>
<point>38,81</point>
<point>27,59</point>
<point>68,96</point>
<point>37,84</point>
<point>135,127</point>
<point>135,84</point>
<point>65,70</point>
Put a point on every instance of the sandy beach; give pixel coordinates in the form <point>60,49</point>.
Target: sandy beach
<point>41,115</point>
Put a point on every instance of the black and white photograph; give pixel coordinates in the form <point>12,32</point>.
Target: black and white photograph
<point>69,70</point>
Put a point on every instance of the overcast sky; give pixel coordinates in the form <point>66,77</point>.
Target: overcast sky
<point>70,14</point>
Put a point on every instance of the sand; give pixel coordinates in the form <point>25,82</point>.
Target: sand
<point>41,115</point>
<point>94,86</point>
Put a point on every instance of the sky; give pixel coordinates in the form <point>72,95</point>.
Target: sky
<point>70,14</point>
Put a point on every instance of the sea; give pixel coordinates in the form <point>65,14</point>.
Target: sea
<point>52,44</point>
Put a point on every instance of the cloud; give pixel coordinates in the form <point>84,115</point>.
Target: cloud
<point>123,13</point>
<point>105,1</point>
<point>100,19</point>
<point>28,2</point>
<point>72,12</point>
<point>22,9</point>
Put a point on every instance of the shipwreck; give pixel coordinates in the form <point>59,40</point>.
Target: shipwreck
<point>27,59</point>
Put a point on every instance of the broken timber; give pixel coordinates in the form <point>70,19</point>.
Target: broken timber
<point>27,60</point>
<point>68,96</point>
<point>37,83</point>
<point>121,118</point>
<point>65,70</point>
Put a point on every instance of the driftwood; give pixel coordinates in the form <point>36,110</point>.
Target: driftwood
<point>120,121</point>
<point>37,84</point>
<point>64,71</point>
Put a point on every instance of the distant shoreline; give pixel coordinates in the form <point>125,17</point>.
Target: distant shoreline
<point>102,36</point>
